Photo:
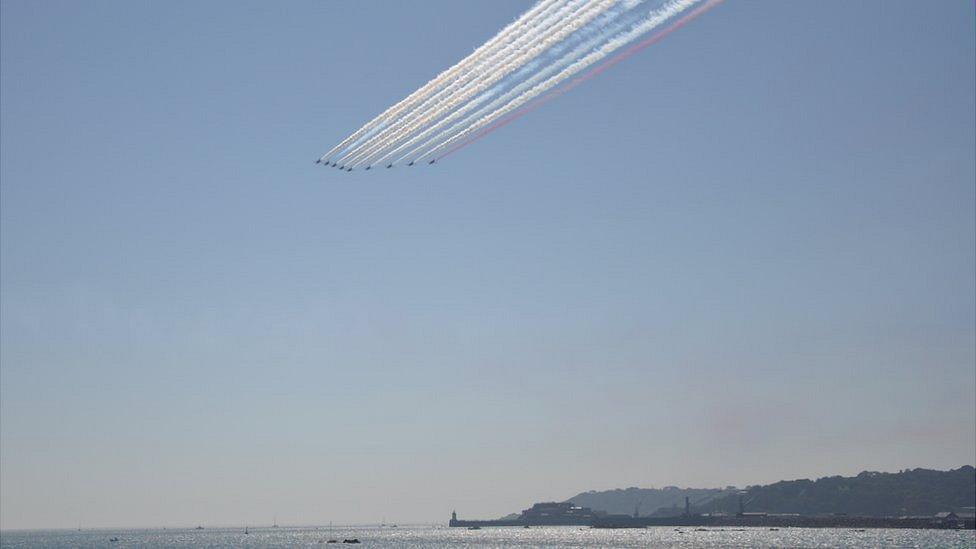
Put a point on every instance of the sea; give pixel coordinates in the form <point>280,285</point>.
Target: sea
<point>442,536</point>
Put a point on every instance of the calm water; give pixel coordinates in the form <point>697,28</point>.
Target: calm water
<point>434,536</point>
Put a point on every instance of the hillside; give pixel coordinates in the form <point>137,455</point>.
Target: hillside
<point>624,501</point>
<point>909,492</point>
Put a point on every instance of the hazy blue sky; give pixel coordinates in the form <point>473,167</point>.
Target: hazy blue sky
<point>746,254</point>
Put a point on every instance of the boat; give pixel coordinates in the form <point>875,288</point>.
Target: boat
<point>199,528</point>
<point>113,540</point>
<point>474,528</point>
<point>353,540</point>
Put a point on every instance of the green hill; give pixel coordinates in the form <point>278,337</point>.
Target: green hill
<point>908,492</point>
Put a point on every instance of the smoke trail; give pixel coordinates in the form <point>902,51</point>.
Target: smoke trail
<point>515,58</point>
<point>656,18</point>
<point>472,70</point>
<point>599,37</point>
<point>440,79</point>
<point>636,48</point>
<point>500,41</point>
<point>544,53</point>
<point>530,29</point>
<point>587,38</point>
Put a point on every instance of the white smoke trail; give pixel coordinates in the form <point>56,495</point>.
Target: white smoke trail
<point>493,68</point>
<point>581,41</point>
<point>655,18</point>
<point>599,35</point>
<point>470,69</point>
<point>519,58</point>
<point>485,49</point>
<point>556,36</point>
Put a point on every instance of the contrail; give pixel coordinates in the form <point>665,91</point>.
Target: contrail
<point>583,13</point>
<point>445,76</point>
<point>590,38</point>
<point>491,60</point>
<point>656,18</point>
<point>473,70</point>
<point>636,48</point>
<point>516,29</point>
<point>545,52</point>
<point>539,76</point>
<point>530,28</point>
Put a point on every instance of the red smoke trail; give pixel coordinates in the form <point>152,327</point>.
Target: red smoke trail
<point>636,48</point>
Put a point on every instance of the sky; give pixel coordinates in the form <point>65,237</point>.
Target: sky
<point>744,255</point>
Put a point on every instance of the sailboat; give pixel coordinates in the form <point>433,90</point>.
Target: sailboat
<point>275,525</point>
